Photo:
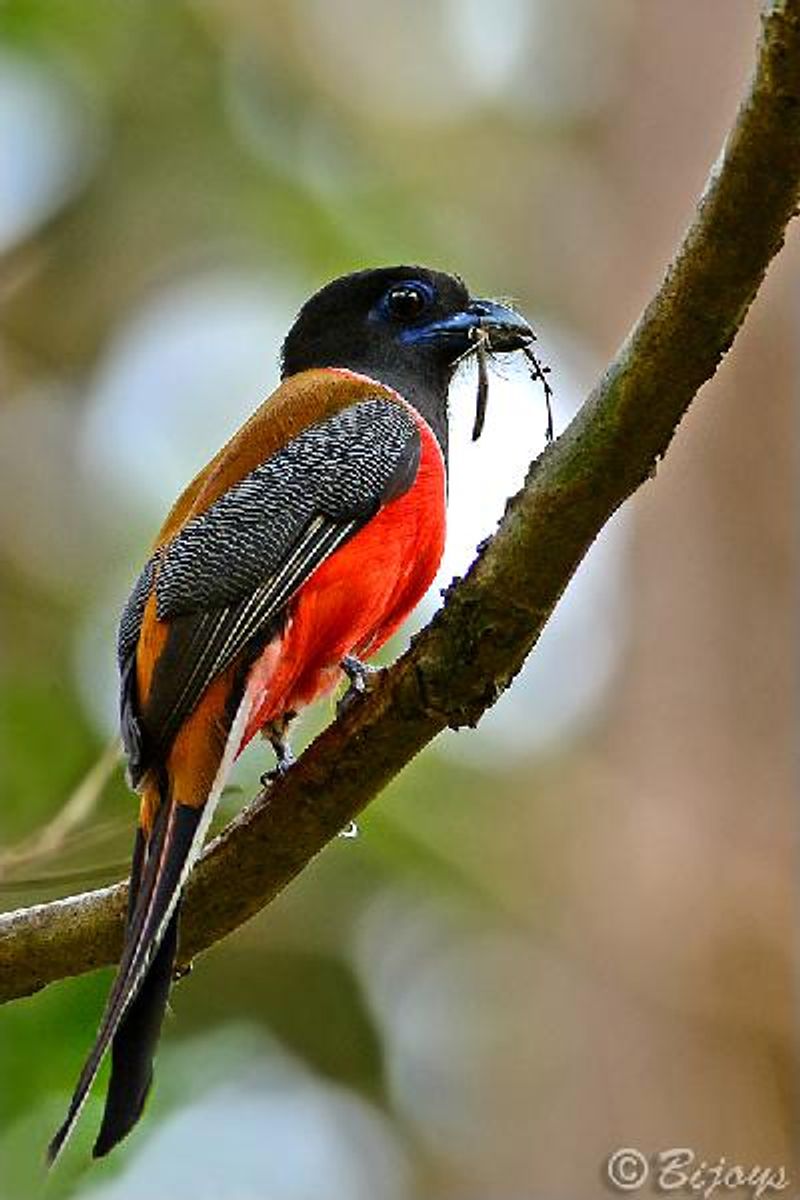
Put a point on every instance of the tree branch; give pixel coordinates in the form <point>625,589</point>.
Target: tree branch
<point>474,647</point>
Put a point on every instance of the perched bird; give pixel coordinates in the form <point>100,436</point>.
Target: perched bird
<point>293,555</point>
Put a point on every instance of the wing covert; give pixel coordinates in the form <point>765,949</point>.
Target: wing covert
<point>339,469</point>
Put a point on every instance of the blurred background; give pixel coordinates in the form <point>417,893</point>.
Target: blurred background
<point>570,930</point>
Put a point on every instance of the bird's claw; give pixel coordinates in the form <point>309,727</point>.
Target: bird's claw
<point>276,734</point>
<point>284,759</point>
<point>359,675</point>
<point>285,762</point>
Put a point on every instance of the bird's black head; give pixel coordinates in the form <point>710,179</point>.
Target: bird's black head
<point>403,326</point>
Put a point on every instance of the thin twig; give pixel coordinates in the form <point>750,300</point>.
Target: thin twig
<point>78,806</point>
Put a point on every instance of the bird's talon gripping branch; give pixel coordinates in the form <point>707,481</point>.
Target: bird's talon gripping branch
<point>277,734</point>
<point>359,675</point>
<point>281,768</point>
<point>319,527</point>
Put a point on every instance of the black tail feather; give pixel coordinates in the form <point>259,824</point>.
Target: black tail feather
<point>134,1045</point>
<point>151,921</point>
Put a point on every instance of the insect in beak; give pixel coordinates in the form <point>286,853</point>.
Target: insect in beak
<point>538,374</point>
<point>482,351</point>
<point>481,348</point>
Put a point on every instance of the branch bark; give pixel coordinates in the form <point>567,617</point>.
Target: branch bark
<point>491,620</point>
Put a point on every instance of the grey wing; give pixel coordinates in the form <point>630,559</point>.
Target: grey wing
<point>225,580</point>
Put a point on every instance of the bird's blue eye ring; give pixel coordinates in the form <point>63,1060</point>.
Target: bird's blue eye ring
<point>407,301</point>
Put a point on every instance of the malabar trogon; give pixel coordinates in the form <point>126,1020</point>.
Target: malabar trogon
<point>295,553</point>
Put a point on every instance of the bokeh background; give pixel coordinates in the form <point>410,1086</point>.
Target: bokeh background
<point>570,930</point>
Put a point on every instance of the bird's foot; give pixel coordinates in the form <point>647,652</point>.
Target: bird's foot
<point>359,675</point>
<point>277,735</point>
<point>282,766</point>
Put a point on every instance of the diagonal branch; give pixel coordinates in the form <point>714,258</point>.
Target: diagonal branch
<point>474,647</point>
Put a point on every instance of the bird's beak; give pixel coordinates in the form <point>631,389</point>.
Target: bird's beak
<point>503,329</point>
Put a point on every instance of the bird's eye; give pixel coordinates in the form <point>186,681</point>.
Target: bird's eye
<point>407,301</point>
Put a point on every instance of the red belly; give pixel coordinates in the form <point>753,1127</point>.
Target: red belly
<point>357,598</point>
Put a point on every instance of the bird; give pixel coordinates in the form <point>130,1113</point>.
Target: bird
<point>286,563</point>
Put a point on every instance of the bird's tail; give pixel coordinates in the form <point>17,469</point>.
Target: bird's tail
<point>135,1006</point>
<point>134,1044</point>
<point>137,1001</point>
